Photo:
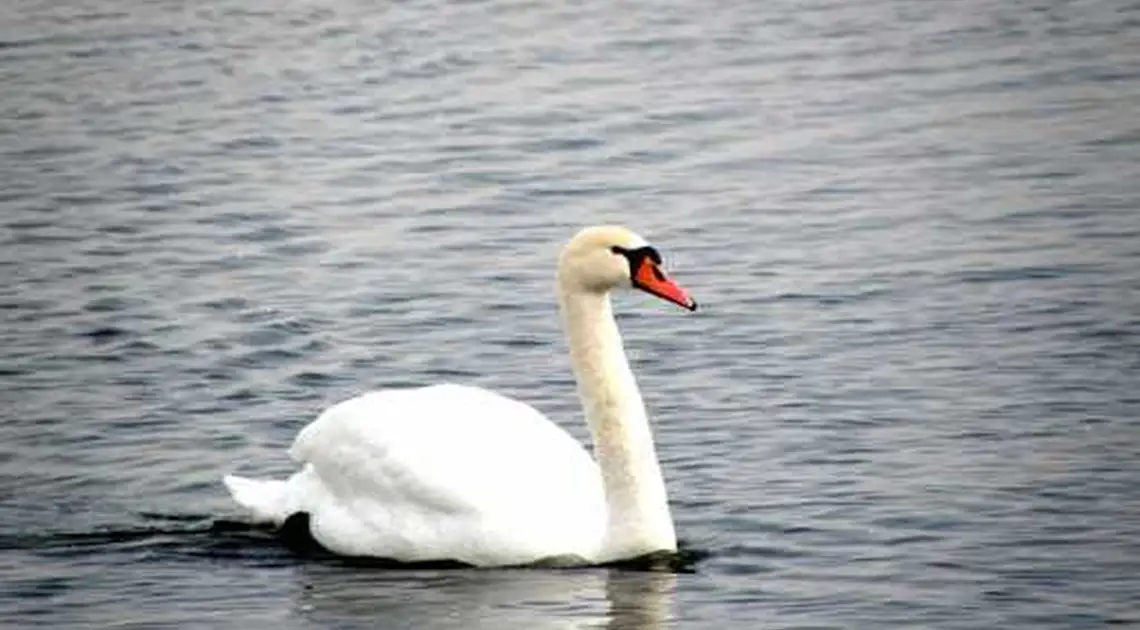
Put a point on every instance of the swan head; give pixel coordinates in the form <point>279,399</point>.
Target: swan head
<point>602,258</point>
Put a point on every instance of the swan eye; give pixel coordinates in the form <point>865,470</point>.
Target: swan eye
<point>635,255</point>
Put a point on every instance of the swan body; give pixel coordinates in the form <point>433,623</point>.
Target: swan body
<point>453,472</point>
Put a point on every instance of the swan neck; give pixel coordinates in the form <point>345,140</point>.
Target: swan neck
<point>639,521</point>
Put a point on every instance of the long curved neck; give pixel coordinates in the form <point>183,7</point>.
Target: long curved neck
<point>639,519</point>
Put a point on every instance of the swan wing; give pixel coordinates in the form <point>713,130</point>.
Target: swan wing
<point>446,472</point>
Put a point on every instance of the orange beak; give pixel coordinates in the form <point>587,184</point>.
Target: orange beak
<point>650,278</point>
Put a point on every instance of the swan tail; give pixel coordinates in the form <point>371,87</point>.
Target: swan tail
<point>264,499</point>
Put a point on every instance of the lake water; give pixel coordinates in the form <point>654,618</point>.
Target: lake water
<point>912,397</point>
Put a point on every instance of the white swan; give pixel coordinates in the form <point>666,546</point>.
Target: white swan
<point>451,472</point>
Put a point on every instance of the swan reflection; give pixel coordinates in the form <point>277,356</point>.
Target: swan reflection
<point>500,599</point>
<point>639,600</point>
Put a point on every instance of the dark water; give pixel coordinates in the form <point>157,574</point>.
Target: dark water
<point>912,399</point>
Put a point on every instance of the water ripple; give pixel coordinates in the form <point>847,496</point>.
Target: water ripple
<point>908,399</point>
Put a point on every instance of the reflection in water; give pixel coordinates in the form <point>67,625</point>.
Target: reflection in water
<point>500,599</point>
<point>640,600</point>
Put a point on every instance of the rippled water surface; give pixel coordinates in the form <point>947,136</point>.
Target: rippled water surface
<point>911,399</point>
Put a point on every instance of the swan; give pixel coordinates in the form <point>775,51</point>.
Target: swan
<point>459,473</point>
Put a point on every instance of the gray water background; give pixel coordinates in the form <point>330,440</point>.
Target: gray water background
<point>910,400</point>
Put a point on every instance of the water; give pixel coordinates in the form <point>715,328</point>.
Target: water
<point>909,400</point>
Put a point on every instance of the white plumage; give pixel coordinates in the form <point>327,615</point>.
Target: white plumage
<point>452,472</point>
<point>440,472</point>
